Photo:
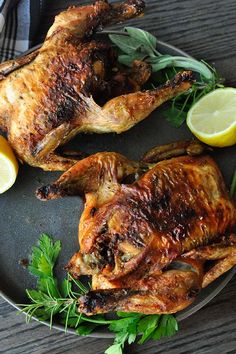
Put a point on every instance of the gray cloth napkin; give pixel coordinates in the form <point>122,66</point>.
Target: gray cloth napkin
<point>19,20</point>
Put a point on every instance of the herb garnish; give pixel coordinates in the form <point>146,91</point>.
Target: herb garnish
<point>53,299</point>
<point>137,44</point>
<point>233,184</point>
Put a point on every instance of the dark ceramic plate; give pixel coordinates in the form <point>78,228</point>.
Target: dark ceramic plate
<point>24,218</point>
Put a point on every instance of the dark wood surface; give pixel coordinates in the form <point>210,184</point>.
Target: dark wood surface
<point>205,29</point>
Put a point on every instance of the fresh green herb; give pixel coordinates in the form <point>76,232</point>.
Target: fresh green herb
<point>59,300</point>
<point>148,326</point>
<point>233,184</point>
<point>176,114</point>
<point>52,298</point>
<point>137,44</point>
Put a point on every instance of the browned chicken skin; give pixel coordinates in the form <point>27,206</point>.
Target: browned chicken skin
<point>51,95</point>
<point>145,243</point>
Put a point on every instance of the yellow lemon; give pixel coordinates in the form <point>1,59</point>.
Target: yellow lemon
<point>213,118</point>
<point>8,166</point>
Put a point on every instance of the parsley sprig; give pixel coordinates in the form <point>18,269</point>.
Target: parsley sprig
<point>55,300</point>
<point>137,44</point>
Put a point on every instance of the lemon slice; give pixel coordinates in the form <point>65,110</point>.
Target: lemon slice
<point>213,118</point>
<point>8,166</point>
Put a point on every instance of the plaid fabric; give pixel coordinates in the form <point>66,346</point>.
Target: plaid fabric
<point>19,20</point>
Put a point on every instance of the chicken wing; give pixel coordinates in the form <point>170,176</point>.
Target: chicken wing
<point>223,252</point>
<point>58,91</point>
<point>133,235</point>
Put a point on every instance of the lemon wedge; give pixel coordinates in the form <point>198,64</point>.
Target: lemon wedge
<point>8,166</point>
<point>213,118</point>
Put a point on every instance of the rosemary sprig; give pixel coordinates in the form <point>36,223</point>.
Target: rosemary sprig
<point>54,300</point>
<point>138,44</point>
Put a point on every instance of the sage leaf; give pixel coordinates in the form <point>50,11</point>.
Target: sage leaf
<point>166,61</point>
<point>125,43</point>
<point>142,36</point>
<point>129,59</point>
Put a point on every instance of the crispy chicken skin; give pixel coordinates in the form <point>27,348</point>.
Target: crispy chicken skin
<point>166,293</point>
<point>73,84</point>
<point>145,243</point>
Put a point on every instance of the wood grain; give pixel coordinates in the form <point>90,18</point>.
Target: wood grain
<point>205,29</point>
<point>211,330</point>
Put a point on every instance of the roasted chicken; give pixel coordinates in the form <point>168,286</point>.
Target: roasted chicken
<point>73,84</point>
<point>145,241</point>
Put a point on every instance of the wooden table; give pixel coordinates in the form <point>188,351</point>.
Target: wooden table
<point>205,29</point>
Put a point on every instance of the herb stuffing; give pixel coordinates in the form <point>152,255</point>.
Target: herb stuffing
<point>137,44</point>
<point>233,184</point>
<point>58,300</point>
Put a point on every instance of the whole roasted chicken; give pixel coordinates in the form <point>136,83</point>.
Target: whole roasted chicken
<point>74,84</point>
<point>145,241</point>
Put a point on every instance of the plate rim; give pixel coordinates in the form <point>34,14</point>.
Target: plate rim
<point>106,335</point>
<point>179,316</point>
